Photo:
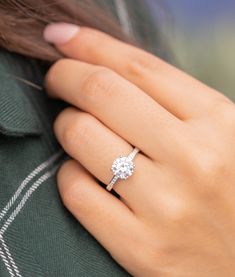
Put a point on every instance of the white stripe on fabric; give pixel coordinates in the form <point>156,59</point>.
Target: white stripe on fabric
<point>34,173</point>
<point>124,17</point>
<point>26,196</point>
<point>11,260</point>
<point>7,257</point>
<point>6,262</point>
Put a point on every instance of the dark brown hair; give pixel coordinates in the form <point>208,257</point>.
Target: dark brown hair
<point>22,23</point>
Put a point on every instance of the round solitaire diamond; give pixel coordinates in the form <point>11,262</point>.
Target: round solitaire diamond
<point>123,167</point>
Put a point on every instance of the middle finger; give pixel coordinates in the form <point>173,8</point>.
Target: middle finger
<point>119,104</point>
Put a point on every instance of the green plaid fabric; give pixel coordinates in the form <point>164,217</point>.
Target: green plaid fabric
<point>38,236</point>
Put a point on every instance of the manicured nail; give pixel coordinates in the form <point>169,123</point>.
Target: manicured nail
<point>60,33</point>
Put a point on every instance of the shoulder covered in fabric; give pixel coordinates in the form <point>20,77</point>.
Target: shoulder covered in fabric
<point>17,112</point>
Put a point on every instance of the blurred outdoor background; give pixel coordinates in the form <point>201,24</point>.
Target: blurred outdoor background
<point>201,34</point>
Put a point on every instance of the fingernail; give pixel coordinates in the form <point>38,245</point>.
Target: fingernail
<point>60,33</point>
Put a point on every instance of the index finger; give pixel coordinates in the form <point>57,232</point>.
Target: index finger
<point>176,91</point>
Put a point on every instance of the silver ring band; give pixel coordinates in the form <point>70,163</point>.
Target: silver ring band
<point>122,168</point>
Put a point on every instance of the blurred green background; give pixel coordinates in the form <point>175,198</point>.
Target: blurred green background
<point>202,38</point>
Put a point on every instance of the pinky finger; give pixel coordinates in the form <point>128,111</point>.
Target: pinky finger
<point>108,219</point>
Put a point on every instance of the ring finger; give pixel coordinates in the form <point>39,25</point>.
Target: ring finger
<point>95,146</point>
<point>120,105</point>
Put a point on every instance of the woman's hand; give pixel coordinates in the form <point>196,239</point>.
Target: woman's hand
<point>176,214</point>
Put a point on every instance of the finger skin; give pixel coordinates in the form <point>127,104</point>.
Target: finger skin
<point>196,234</point>
<point>96,147</point>
<point>102,214</point>
<point>120,105</point>
<point>178,92</point>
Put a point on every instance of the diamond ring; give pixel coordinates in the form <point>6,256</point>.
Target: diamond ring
<point>122,168</point>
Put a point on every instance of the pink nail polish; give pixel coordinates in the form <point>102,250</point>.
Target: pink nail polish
<point>60,33</point>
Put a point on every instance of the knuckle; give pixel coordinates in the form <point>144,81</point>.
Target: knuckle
<point>69,135</point>
<point>98,84</point>
<point>141,63</point>
<point>62,116</point>
<point>70,188</point>
<point>210,168</point>
<point>62,174</point>
<point>55,70</point>
<point>226,114</point>
<point>211,165</point>
<point>78,129</point>
<point>177,207</point>
<point>65,127</point>
<point>179,214</point>
<point>71,125</point>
